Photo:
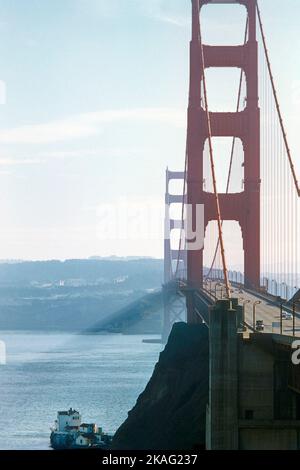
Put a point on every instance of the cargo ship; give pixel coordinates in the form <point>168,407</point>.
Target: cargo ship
<point>69,432</point>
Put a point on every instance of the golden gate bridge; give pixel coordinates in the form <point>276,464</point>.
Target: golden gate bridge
<point>264,203</point>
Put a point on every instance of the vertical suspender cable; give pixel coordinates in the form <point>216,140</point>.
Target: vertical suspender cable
<point>294,221</point>
<point>277,103</point>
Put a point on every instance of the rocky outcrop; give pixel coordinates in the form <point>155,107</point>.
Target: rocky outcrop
<point>170,413</point>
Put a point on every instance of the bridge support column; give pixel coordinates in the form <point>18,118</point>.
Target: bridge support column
<point>174,262</point>
<point>222,412</point>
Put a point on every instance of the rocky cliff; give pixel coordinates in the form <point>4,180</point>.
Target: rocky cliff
<point>170,413</point>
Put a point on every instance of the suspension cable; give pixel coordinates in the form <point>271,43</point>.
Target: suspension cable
<point>227,285</point>
<point>277,103</point>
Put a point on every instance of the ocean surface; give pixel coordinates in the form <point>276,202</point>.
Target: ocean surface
<point>99,375</point>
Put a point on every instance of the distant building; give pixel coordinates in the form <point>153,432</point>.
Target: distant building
<point>88,428</point>
<point>66,420</point>
<point>83,441</point>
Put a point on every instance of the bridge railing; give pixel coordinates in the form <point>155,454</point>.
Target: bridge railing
<point>268,284</point>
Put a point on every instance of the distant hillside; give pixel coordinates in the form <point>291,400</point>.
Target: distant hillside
<point>72,295</point>
<point>139,271</point>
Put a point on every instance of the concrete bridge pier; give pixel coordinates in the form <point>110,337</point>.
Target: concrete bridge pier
<point>222,411</point>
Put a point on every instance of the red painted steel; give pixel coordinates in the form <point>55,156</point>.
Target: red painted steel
<point>245,206</point>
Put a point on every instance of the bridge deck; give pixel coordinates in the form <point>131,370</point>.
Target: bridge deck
<point>268,310</point>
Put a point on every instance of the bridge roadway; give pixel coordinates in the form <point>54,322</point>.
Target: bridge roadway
<point>268,310</point>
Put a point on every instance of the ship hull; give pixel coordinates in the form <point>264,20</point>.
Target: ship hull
<point>61,441</point>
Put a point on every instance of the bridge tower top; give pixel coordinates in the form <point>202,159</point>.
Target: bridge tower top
<point>249,4</point>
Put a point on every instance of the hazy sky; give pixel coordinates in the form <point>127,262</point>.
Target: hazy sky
<point>95,111</point>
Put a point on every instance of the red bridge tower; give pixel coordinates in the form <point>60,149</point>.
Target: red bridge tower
<point>243,207</point>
